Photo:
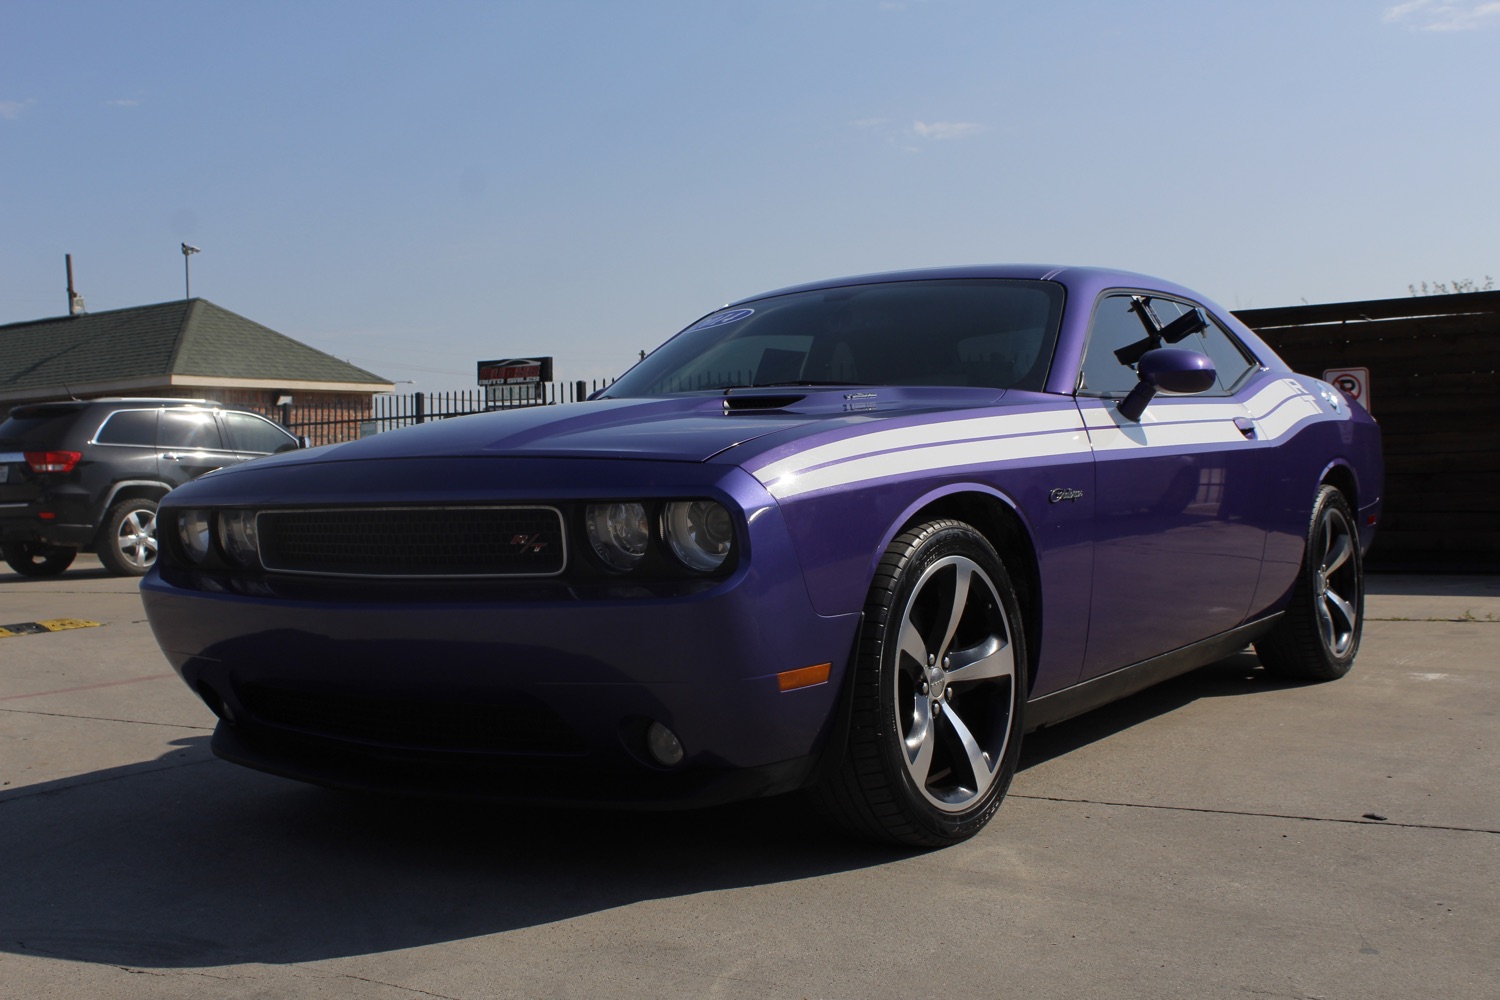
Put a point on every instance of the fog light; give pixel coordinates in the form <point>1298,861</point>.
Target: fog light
<point>663,744</point>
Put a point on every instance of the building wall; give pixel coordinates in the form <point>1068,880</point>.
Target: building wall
<point>1434,364</point>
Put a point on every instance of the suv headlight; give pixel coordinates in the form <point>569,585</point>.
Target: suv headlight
<point>700,533</point>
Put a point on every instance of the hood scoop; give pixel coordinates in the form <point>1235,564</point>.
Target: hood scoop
<point>756,402</point>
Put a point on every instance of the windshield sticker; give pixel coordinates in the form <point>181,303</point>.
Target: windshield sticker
<point>720,319</point>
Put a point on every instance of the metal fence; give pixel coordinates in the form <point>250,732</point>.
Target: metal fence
<point>332,421</point>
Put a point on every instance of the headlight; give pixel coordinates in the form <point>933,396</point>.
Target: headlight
<point>237,536</point>
<point>193,531</point>
<point>699,532</point>
<point>618,532</point>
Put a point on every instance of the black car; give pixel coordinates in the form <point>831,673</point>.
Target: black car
<point>86,475</point>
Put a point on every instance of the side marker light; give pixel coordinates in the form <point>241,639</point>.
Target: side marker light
<point>791,680</point>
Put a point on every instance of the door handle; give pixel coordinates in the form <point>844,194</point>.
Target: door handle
<point>1246,426</point>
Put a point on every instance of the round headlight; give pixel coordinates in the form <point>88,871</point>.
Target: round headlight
<point>699,532</point>
<point>193,532</point>
<point>237,535</point>
<point>618,532</point>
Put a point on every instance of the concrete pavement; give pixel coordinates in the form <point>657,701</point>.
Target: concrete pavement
<point>1221,835</point>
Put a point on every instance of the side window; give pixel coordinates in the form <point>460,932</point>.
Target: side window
<point>257,435</point>
<point>194,430</point>
<point>1230,360</point>
<point>1117,324</point>
<point>137,427</point>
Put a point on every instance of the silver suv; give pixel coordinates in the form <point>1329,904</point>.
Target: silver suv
<point>86,475</point>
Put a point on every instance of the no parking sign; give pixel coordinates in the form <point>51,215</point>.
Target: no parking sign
<point>1352,382</point>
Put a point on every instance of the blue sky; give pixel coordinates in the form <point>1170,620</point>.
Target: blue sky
<point>418,186</point>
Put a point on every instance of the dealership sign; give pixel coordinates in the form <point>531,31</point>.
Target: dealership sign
<point>515,380</point>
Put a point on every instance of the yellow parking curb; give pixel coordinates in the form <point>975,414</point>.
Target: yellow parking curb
<point>51,625</point>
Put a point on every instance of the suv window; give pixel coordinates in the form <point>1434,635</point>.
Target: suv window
<point>196,430</point>
<point>258,435</point>
<point>1116,324</point>
<point>128,427</point>
<point>43,423</point>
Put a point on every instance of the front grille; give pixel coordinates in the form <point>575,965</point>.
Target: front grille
<point>414,541</point>
<point>518,724</point>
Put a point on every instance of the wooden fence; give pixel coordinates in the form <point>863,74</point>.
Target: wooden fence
<point>1434,364</point>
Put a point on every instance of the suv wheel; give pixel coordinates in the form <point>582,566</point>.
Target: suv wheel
<point>31,559</point>
<point>127,542</point>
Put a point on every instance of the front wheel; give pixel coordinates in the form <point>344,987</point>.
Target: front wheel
<point>127,545</point>
<point>32,559</point>
<point>940,693</point>
<point>1318,637</point>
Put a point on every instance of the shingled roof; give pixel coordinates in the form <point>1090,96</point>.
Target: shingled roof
<point>174,342</point>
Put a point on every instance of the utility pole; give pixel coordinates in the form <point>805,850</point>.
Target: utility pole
<point>75,301</point>
<point>187,275</point>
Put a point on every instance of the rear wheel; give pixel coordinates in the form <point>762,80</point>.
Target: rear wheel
<point>939,693</point>
<point>127,543</point>
<point>32,559</point>
<point>1318,637</point>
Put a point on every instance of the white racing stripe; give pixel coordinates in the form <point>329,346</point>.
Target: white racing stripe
<point>1004,438</point>
<point>931,447</point>
<point>1276,409</point>
<point>1291,412</point>
<point>932,458</point>
<point>922,435</point>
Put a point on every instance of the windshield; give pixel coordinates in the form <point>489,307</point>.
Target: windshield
<point>962,332</point>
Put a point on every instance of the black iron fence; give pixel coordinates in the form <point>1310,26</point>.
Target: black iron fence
<point>333,420</point>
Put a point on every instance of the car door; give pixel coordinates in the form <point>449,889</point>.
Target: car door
<point>1180,529</point>
<point>189,442</point>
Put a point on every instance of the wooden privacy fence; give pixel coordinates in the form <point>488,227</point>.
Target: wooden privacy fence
<point>1434,388</point>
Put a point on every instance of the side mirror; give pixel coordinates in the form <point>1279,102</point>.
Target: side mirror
<point>1171,369</point>
<point>303,441</point>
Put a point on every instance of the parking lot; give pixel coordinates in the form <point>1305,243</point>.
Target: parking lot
<point>1222,835</point>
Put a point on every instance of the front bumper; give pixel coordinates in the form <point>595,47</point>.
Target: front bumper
<point>514,690</point>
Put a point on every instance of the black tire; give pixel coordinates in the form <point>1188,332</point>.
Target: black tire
<point>1318,637</point>
<point>939,693</point>
<point>127,542</point>
<point>31,559</point>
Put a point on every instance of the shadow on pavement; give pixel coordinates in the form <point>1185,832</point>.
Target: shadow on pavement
<point>202,863</point>
<point>1240,674</point>
<point>195,862</point>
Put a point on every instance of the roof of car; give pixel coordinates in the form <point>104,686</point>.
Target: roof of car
<point>1067,274</point>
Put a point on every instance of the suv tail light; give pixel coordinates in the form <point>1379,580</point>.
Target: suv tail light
<point>52,461</point>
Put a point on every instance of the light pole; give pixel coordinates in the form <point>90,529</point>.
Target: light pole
<point>187,276</point>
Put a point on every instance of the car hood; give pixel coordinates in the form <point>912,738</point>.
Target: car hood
<point>687,428</point>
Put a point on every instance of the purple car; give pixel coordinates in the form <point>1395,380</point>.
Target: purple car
<point>854,538</point>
